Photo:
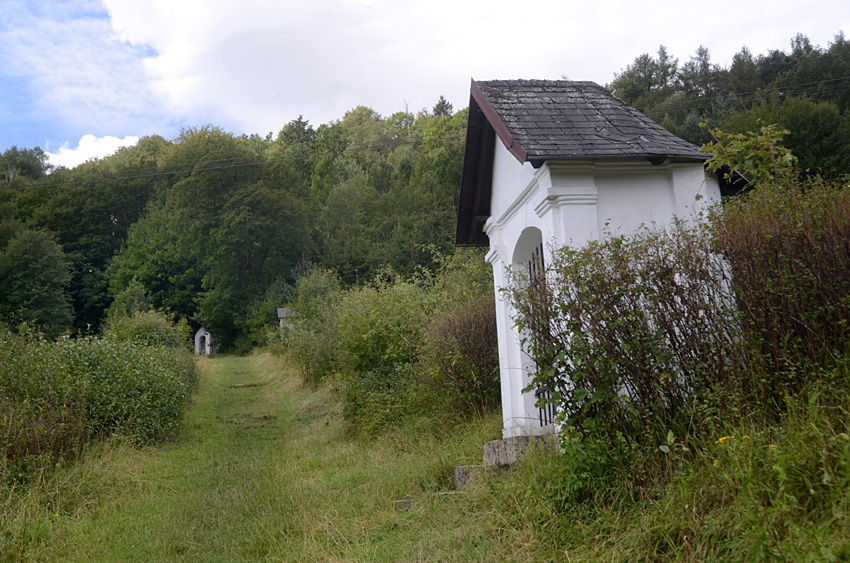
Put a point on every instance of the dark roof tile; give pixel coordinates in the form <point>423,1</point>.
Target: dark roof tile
<point>556,119</point>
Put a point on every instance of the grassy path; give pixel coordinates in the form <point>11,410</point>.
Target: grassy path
<point>263,472</point>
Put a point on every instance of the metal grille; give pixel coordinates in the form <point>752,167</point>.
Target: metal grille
<point>536,275</point>
<point>546,413</point>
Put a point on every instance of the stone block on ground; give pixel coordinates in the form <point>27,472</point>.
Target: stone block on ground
<point>510,450</point>
<point>465,474</point>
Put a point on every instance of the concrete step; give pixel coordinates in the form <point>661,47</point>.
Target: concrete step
<point>510,450</point>
<point>498,453</point>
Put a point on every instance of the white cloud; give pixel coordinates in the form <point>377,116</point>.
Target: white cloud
<point>88,148</point>
<point>257,64</point>
<point>140,67</point>
<point>79,73</point>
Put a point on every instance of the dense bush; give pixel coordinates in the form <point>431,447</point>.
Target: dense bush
<point>148,328</point>
<point>310,338</point>
<point>382,323</point>
<point>461,356</point>
<point>140,391</point>
<point>628,331</point>
<point>790,261</point>
<point>380,328</point>
<point>400,346</point>
<point>54,396</point>
<point>786,243</point>
<point>130,300</point>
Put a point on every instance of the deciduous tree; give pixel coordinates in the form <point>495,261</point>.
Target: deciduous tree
<point>34,277</point>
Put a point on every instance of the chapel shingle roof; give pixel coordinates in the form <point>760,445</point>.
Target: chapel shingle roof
<point>570,120</point>
<point>546,120</point>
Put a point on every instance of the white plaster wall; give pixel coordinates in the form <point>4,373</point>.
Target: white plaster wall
<point>695,192</point>
<point>509,175</point>
<point>633,196</point>
<point>516,216</point>
<point>572,203</point>
<point>503,330</point>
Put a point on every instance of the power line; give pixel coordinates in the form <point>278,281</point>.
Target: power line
<point>744,97</point>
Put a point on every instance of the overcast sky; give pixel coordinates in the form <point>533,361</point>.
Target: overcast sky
<point>79,77</point>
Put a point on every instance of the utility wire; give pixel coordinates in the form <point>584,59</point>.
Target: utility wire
<point>743,97</point>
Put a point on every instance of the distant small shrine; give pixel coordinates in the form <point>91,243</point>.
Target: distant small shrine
<point>204,343</point>
<point>285,316</point>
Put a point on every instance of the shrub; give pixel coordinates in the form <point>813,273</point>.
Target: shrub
<point>139,391</point>
<point>310,339</point>
<point>132,299</point>
<point>462,277</point>
<point>790,263</point>
<point>315,292</point>
<point>461,356</point>
<point>148,328</point>
<point>381,324</point>
<point>400,346</point>
<point>629,330</point>
<point>261,323</point>
<point>759,157</point>
<point>55,396</point>
<point>786,242</point>
<point>380,328</point>
<point>313,346</point>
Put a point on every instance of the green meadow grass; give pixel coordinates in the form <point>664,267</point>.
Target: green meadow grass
<point>266,469</point>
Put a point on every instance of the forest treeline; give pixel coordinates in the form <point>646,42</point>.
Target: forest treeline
<point>217,228</point>
<point>804,89</point>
